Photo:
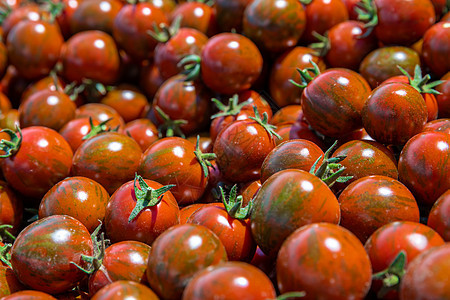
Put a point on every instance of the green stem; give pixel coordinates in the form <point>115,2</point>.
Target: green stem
<point>305,77</point>
<point>102,127</point>
<point>420,83</point>
<point>392,275</point>
<point>233,108</point>
<point>169,127</point>
<point>12,146</point>
<point>291,295</point>
<point>191,64</point>
<point>203,158</point>
<point>233,204</point>
<point>367,13</point>
<point>4,232</point>
<point>264,122</point>
<point>5,256</point>
<point>323,45</point>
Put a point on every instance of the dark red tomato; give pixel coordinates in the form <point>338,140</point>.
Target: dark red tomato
<point>234,234</point>
<point>124,289</point>
<point>440,8</point>
<point>285,68</point>
<point>46,83</point>
<point>248,191</point>
<point>8,282</point>
<point>91,55</point>
<point>274,25</point>
<point>109,158</point>
<point>13,85</point>
<point>128,218</point>
<point>42,160</point>
<point>423,166</point>
<point>443,99</point>
<point>167,6</point>
<point>321,15</point>
<point>440,125</point>
<point>394,113</point>
<point>41,108</point>
<point>436,47</point>
<point>29,294</point>
<point>385,244</point>
<point>286,201</point>
<point>36,57</point>
<point>381,63</point>
<point>168,54</point>
<point>197,15</point>
<point>10,120</point>
<point>332,102</point>
<point>63,19</point>
<point>365,158</point>
<point>3,59</point>
<point>205,143</point>
<point>351,5</point>
<point>143,131</point>
<point>101,112</point>
<point>229,14</point>
<point>172,160</point>
<point>95,15</point>
<point>287,114</point>
<point>185,100</point>
<point>299,130</point>
<point>241,148</point>
<point>427,275</point>
<point>45,253</point>
<point>373,201</point>
<point>230,63</point>
<point>150,80</point>
<point>130,105</point>
<point>325,261</point>
<point>265,263</point>
<point>178,254</point>
<point>11,208</point>
<point>75,130</point>
<point>78,197</point>
<point>122,261</point>
<point>29,11</point>
<point>292,154</point>
<point>347,46</point>
<point>187,211</point>
<point>439,217</point>
<point>131,25</point>
<point>230,280</point>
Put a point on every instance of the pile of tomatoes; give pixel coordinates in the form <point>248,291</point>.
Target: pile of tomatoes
<point>225,149</point>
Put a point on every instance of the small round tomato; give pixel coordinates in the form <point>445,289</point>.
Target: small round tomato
<point>287,114</point>
<point>143,131</point>
<point>29,11</point>
<point>439,217</point>
<point>299,130</point>
<point>443,99</point>
<point>440,125</point>
<point>29,294</point>
<point>196,14</point>
<point>125,289</point>
<point>9,283</point>
<point>436,47</point>
<point>101,113</point>
<point>11,208</point>
<point>75,131</point>
<point>130,105</point>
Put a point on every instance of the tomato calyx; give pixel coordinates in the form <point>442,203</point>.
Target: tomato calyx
<point>367,13</point>
<point>12,146</point>
<point>163,33</point>
<point>305,77</point>
<point>323,45</point>
<point>102,127</point>
<point>169,127</point>
<point>420,83</point>
<point>330,170</point>
<point>53,8</point>
<point>291,295</point>
<point>191,65</point>
<point>233,108</point>
<point>203,158</point>
<point>233,204</point>
<point>392,275</point>
<point>5,11</point>
<point>5,255</point>
<point>146,196</point>
<point>5,234</point>
<point>264,122</point>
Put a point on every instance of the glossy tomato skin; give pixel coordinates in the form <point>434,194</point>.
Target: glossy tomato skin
<point>92,55</point>
<point>101,112</point>
<point>229,14</point>
<point>333,101</point>
<point>75,130</point>
<point>42,254</point>
<point>171,160</point>
<point>109,158</point>
<point>287,114</point>
<point>30,11</point>
<point>35,57</point>
<point>223,280</point>
<point>427,275</point>
<point>123,289</point>
<point>11,208</point>
<point>178,254</point>
<point>438,219</point>
<point>443,100</point>
<point>286,201</point>
<point>435,48</point>
<point>197,15</point>
<point>143,131</point>
<point>440,125</point>
<point>125,260</point>
<point>274,25</point>
<point>44,158</point>
<point>394,113</point>
<point>148,224</point>
<point>78,197</point>
<point>47,83</point>
<point>299,130</point>
<point>326,261</point>
<point>423,166</point>
<point>29,294</point>
<point>9,283</point>
<point>230,63</point>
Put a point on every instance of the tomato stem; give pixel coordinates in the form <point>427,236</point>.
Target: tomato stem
<point>264,122</point>
<point>323,45</point>
<point>163,33</point>
<point>305,77</point>
<point>392,275</point>
<point>4,232</point>
<point>5,256</point>
<point>95,130</point>
<point>367,13</point>
<point>203,158</point>
<point>12,146</point>
<point>232,109</point>
<point>191,64</point>
<point>291,295</point>
<point>171,127</point>
<point>233,204</point>
<point>420,83</point>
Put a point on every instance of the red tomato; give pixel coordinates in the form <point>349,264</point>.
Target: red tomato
<point>436,47</point>
<point>11,208</point>
<point>9,283</point>
<point>29,294</point>
<point>197,15</point>
<point>443,99</point>
<point>439,217</point>
<point>124,289</point>
<point>143,131</point>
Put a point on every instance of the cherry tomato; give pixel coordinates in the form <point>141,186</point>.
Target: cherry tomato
<point>11,208</point>
<point>124,289</point>
<point>197,15</point>
<point>443,99</point>
<point>143,131</point>
<point>130,105</point>
<point>436,47</point>
<point>438,219</point>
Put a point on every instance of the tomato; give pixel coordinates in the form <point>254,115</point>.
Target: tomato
<point>436,47</point>
<point>443,99</point>
<point>8,282</point>
<point>325,261</point>
<point>196,14</point>
<point>230,280</point>
<point>130,105</point>
<point>423,166</point>
<point>29,11</point>
<point>229,14</point>
<point>438,219</point>
<point>427,275</point>
<point>45,253</point>
<point>140,212</point>
<point>167,6</point>
<point>394,113</point>
<point>143,131</point>
<point>11,208</point>
<point>101,113</point>
<point>178,254</point>
<point>287,114</point>
<point>75,131</point>
<point>124,289</point>
<point>440,125</point>
<point>29,294</point>
<point>51,82</point>
<point>188,210</point>
<point>287,201</point>
<point>150,80</point>
<point>78,197</point>
<point>109,158</point>
<point>299,130</point>
<point>41,159</point>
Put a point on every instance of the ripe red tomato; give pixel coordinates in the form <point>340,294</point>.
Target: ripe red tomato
<point>143,131</point>
<point>229,14</point>
<point>125,289</point>
<point>436,47</point>
<point>443,99</point>
<point>129,104</point>
<point>196,14</point>
<point>29,294</point>
<point>101,113</point>
<point>11,208</point>
<point>9,283</point>
<point>439,217</point>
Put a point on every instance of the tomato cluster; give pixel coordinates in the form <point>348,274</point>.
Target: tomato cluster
<point>225,149</point>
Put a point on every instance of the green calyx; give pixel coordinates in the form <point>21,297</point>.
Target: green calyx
<point>420,83</point>
<point>305,77</point>
<point>5,11</point>
<point>203,158</point>
<point>54,9</point>
<point>5,233</point>
<point>146,196</point>
<point>12,146</point>
<point>169,127</point>
<point>323,45</point>
<point>291,295</point>
<point>233,204</point>
<point>5,255</point>
<point>367,13</point>
<point>305,2</point>
<point>162,33</point>
<point>264,122</point>
<point>191,64</point>
<point>330,170</point>
<point>102,127</point>
<point>392,275</point>
<point>232,109</point>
